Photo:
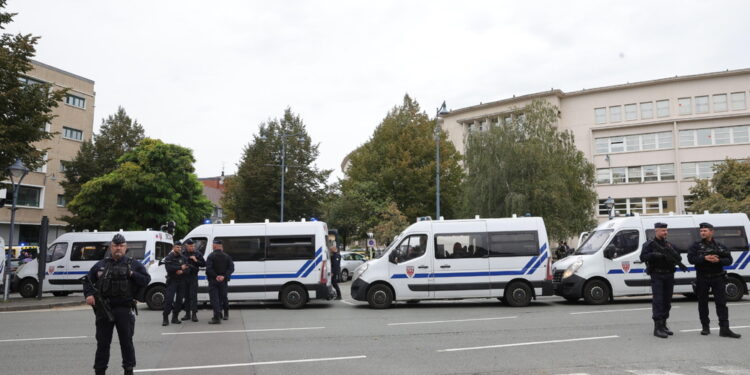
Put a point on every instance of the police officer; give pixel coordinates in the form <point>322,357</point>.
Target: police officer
<point>219,269</point>
<point>195,261</point>
<point>177,272</point>
<point>110,288</point>
<point>661,258</point>
<point>709,258</point>
<point>335,269</point>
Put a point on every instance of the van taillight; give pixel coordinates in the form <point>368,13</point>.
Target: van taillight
<point>549,268</point>
<point>323,277</point>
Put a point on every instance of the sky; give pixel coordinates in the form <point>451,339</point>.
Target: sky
<point>205,75</point>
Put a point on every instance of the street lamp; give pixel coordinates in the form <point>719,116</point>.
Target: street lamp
<point>17,172</point>
<point>300,137</point>
<point>442,111</point>
<point>610,203</point>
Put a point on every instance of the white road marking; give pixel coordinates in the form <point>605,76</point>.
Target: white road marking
<point>729,370</point>
<point>452,321</point>
<point>242,331</point>
<point>250,364</point>
<point>739,304</point>
<point>46,338</point>
<point>618,310</point>
<point>54,309</point>
<point>530,343</point>
<point>652,372</point>
<point>713,329</point>
<point>348,303</point>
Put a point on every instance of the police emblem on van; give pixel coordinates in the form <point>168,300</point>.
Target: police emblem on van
<point>50,270</point>
<point>410,271</point>
<point>626,267</point>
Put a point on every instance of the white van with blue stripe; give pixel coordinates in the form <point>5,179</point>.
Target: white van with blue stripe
<point>287,262</point>
<point>507,258</point>
<point>71,256</point>
<point>607,264</point>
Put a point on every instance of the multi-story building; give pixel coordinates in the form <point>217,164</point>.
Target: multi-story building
<point>213,189</point>
<point>648,140</point>
<point>41,194</point>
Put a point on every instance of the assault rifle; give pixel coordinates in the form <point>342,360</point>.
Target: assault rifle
<point>671,255</point>
<point>101,305</point>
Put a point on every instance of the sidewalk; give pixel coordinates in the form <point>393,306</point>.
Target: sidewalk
<point>17,303</point>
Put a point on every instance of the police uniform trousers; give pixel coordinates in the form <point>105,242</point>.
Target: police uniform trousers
<point>191,294</point>
<point>662,287</point>
<point>125,323</point>
<point>218,292</point>
<point>335,283</point>
<point>717,283</point>
<point>175,288</point>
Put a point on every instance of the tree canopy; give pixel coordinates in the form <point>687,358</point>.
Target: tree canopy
<point>25,105</point>
<point>152,184</point>
<point>727,190</point>
<point>253,194</point>
<point>529,166</point>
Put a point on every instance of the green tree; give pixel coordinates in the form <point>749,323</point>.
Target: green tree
<point>391,223</point>
<point>399,159</point>
<point>727,190</point>
<point>153,183</point>
<point>254,193</point>
<point>353,213</point>
<point>25,105</point>
<point>529,166</point>
<point>118,134</point>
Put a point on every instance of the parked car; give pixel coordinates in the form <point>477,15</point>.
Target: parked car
<point>349,262</point>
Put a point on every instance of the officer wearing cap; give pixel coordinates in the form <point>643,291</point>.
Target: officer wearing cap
<point>219,269</point>
<point>195,261</point>
<point>661,257</point>
<point>177,271</point>
<point>111,287</point>
<point>709,258</point>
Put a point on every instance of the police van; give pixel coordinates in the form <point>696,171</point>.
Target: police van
<point>608,263</point>
<point>287,262</point>
<point>71,256</point>
<point>507,258</point>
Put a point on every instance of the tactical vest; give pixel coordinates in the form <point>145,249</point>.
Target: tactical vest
<point>115,280</point>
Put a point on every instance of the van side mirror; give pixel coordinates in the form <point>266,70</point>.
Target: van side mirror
<point>392,257</point>
<point>609,252</point>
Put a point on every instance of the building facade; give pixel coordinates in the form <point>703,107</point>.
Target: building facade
<point>213,189</point>
<point>41,193</point>
<point>649,141</point>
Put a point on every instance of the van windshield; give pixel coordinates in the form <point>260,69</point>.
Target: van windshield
<point>593,242</point>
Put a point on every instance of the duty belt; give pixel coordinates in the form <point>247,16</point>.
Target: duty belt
<point>706,275</point>
<point>662,270</point>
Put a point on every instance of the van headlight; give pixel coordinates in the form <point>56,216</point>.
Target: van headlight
<point>359,271</point>
<point>572,268</point>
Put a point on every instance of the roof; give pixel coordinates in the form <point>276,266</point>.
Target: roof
<point>50,67</point>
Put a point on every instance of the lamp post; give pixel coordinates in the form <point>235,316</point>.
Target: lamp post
<point>442,111</point>
<point>17,171</point>
<point>610,203</point>
<point>301,138</point>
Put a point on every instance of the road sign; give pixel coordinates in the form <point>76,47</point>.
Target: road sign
<point>371,242</point>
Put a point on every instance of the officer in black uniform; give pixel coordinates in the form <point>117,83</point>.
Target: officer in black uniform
<point>177,273</point>
<point>335,269</point>
<point>661,257</point>
<point>195,261</point>
<point>709,258</point>
<point>219,269</point>
<point>110,287</point>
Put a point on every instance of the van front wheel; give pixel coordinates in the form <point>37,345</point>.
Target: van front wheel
<point>293,296</point>
<point>380,296</point>
<point>518,294</point>
<point>735,288</point>
<point>28,288</point>
<point>596,292</point>
<point>155,297</point>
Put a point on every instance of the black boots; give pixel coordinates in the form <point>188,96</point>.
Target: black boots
<point>658,329</point>
<point>226,314</point>
<point>186,317</point>
<point>706,330</point>
<point>128,370</point>
<point>665,328</point>
<point>194,316</point>
<point>175,320</point>
<point>214,320</point>
<point>165,320</point>
<point>724,331</point>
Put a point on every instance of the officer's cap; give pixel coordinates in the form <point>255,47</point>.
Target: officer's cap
<point>177,243</point>
<point>189,241</point>
<point>217,242</point>
<point>706,225</point>
<point>660,225</point>
<point>118,239</point>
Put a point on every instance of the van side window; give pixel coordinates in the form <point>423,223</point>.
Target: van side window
<point>681,238</point>
<point>56,252</point>
<point>200,244</point>
<point>624,242</point>
<point>734,238</point>
<point>410,248</point>
<point>244,248</point>
<point>162,249</point>
<point>89,251</point>
<point>452,246</point>
<point>514,244</point>
<point>289,248</point>
<point>136,250</point>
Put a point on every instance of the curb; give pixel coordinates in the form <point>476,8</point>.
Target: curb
<point>42,306</point>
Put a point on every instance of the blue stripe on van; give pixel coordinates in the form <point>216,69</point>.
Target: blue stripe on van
<point>538,263</point>
<point>738,262</point>
<point>315,264</point>
<point>746,262</point>
<point>307,265</point>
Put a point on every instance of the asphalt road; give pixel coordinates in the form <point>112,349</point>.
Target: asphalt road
<point>448,337</point>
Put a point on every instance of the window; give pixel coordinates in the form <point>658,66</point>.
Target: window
<point>62,165</point>
<point>734,238</point>
<point>688,200</point>
<point>722,136</point>
<point>701,103</point>
<point>649,141</point>
<point>513,244</point>
<point>631,112</point>
<point>702,170</point>
<point>137,250</point>
<point>602,176</point>
<point>162,249</point>
<point>720,103</point>
<point>452,246</point>
<point>56,252</point>
<point>600,115</point>
<point>615,114</point>
<point>685,106</point>
<point>410,248</point>
<point>706,170</point>
<point>623,243</point>
<point>29,81</point>
<point>75,101</point>
<point>632,143</point>
<point>634,174</point>
<point>687,138</point>
<point>29,196</point>
<point>714,136</point>
<point>288,248</point>
<point>681,238</point>
<point>665,140</point>
<point>650,173</point>
<point>43,167</point>
<point>637,142</point>
<point>666,172</point>
<point>652,205</point>
<point>668,204</point>
<point>617,144</point>
<point>61,200</point>
<point>602,145</point>
<point>738,101</point>
<point>73,134</point>
<point>647,110</point>
<point>740,134</point>
<point>89,251</point>
<point>618,175</point>
<point>703,136</point>
<point>662,108</point>
<point>635,205</point>
<point>254,248</point>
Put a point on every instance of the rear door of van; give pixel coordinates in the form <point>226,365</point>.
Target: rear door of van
<point>292,254</point>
